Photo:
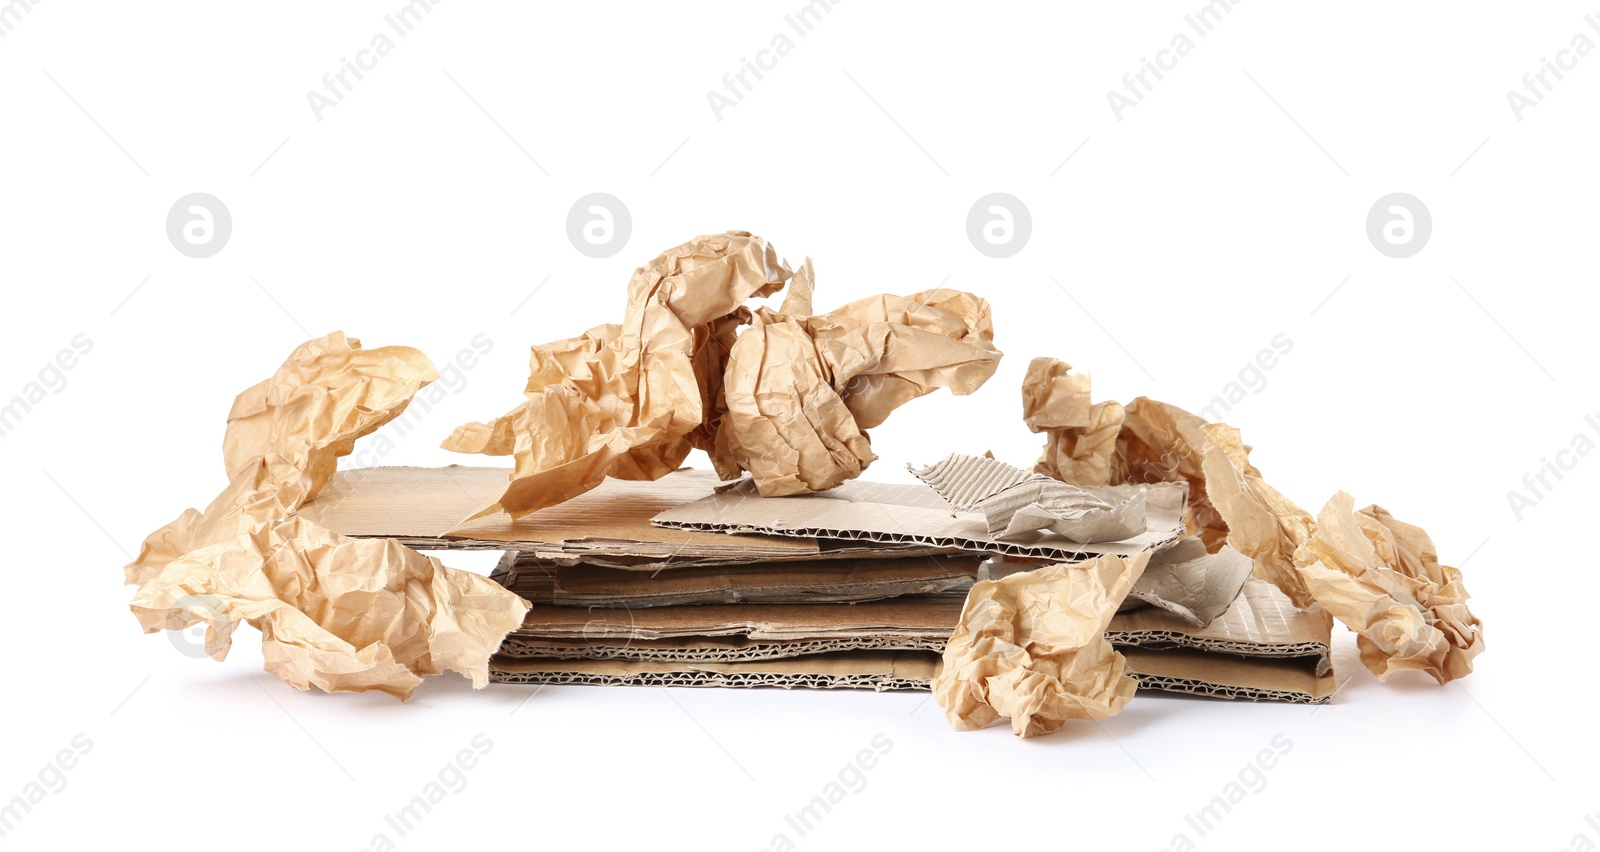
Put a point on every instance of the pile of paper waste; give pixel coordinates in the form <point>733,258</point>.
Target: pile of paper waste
<point>1142,550</point>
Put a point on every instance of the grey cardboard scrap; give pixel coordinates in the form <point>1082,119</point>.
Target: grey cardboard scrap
<point>1014,501</point>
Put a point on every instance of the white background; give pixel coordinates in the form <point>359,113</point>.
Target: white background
<point>1224,209</point>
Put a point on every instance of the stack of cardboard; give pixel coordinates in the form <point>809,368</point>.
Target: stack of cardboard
<point>683,581</point>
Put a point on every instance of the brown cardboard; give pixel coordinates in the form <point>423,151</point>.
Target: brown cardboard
<point>806,581</point>
<point>902,617</point>
<point>1260,623</point>
<point>879,670</point>
<point>883,513</point>
<point>705,649</point>
<point>1188,672</point>
<point>1262,648</point>
<point>610,525</point>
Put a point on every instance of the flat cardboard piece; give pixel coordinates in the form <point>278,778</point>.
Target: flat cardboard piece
<point>907,617</point>
<point>884,514</point>
<point>427,507</point>
<point>542,581</point>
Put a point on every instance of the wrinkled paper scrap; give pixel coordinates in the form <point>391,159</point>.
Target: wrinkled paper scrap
<point>1382,577</point>
<point>1031,648</point>
<point>1015,502</point>
<point>340,614</point>
<point>1110,444</point>
<point>1378,576</point>
<point>788,400</point>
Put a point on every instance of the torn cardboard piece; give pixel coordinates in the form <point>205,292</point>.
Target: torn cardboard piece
<point>608,525</point>
<point>834,580</point>
<point>336,613</point>
<point>1015,502</point>
<point>887,514</point>
<point>1031,648</point>
<point>788,400</point>
<point>1185,580</point>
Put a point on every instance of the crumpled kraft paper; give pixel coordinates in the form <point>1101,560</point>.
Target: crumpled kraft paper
<point>1110,444</point>
<point>788,400</point>
<point>1015,502</point>
<point>1379,577</point>
<point>1031,647</point>
<point>1261,522</point>
<point>1382,577</point>
<point>340,614</point>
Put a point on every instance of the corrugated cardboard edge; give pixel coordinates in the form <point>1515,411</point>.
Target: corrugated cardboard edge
<point>733,650</point>
<point>880,671</point>
<point>885,671</point>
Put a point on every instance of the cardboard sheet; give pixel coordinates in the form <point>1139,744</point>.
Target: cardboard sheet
<point>788,400</point>
<point>706,649</point>
<point>878,670</point>
<point>909,617</point>
<point>912,514</point>
<point>834,580</point>
<point>340,614</point>
<point>1186,672</point>
<point>1263,648</point>
<point>609,525</point>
